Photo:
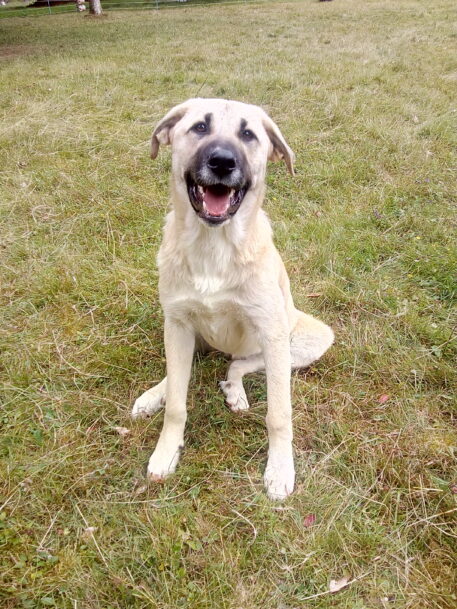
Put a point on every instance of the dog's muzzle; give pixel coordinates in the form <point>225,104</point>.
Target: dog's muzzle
<point>217,181</point>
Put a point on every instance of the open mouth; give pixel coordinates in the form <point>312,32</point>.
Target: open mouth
<point>214,203</point>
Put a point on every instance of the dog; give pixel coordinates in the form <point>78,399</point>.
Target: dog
<point>222,282</point>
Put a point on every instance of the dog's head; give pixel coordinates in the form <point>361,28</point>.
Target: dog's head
<point>220,152</point>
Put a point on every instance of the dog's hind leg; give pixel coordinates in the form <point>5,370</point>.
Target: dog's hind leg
<point>150,401</point>
<point>233,389</point>
<point>309,340</point>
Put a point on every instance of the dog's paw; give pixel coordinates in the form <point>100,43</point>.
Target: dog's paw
<point>235,396</point>
<point>162,464</point>
<point>279,477</point>
<point>149,402</point>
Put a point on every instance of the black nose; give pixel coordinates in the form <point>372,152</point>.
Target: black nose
<point>221,161</point>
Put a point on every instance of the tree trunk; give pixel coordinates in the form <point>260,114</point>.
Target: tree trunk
<point>95,7</point>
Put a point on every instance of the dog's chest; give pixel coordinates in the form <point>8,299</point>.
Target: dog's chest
<point>211,266</point>
<point>214,309</point>
<point>205,288</point>
<point>206,284</point>
<point>218,318</point>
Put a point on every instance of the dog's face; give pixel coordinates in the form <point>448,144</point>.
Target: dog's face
<point>220,152</point>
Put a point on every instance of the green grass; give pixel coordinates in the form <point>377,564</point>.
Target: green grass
<point>25,8</point>
<point>365,93</point>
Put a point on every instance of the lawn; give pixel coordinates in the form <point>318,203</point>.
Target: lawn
<point>365,93</point>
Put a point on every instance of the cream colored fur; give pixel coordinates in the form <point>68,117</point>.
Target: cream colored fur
<point>228,286</point>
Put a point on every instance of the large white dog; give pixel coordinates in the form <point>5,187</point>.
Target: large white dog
<point>222,282</point>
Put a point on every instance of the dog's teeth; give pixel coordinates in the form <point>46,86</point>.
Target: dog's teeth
<point>201,190</point>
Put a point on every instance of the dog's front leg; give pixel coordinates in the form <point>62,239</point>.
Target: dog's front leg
<point>179,349</point>
<point>279,475</point>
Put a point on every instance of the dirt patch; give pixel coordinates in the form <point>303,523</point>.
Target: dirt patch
<point>9,51</point>
<point>450,76</point>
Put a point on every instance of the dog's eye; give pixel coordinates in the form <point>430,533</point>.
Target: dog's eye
<point>248,135</point>
<point>200,127</point>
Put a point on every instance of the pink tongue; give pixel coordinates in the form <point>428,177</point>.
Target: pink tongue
<point>216,204</point>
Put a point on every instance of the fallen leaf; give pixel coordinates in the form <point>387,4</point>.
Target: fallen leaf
<point>140,489</point>
<point>453,488</point>
<point>25,484</point>
<point>89,532</point>
<point>122,431</point>
<point>338,584</point>
<point>383,398</point>
<point>314,294</point>
<point>309,520</point>
<point>91,428</point>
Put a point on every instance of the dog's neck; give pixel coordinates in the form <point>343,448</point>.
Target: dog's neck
<point>241,234</point>
<point>212,257</point>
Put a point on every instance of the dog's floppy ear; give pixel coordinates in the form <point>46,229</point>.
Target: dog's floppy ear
<point>163,133</point>
<point>280,149</point>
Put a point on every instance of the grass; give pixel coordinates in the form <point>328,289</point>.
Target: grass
<point>365,93</point>
<point>25,8</point>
